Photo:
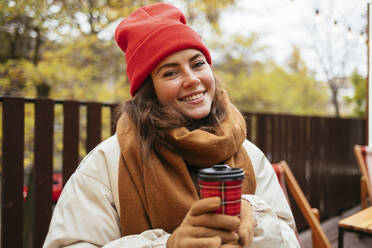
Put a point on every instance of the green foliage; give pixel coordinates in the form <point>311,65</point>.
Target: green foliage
<point>275,90</point>
<point>358,100</point>
<point>206,11</point>
<point>267,87</point>
<point>14,79</point>
<point>79,65</point>
<point>295,62</point>
<point>85,69</point>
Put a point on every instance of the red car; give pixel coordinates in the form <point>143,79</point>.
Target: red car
<point>56,188</point>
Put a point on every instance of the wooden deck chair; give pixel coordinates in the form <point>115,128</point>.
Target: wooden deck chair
<point>287,180</point>
<point>364,157</point>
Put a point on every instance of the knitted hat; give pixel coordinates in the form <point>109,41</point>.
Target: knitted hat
<point>150,34</point>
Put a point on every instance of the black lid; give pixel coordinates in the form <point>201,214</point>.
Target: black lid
<point>220,172</point>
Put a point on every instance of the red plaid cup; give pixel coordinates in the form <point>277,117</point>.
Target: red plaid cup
<point>224,182</point>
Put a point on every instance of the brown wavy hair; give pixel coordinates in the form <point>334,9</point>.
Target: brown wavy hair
<point>154,119</point>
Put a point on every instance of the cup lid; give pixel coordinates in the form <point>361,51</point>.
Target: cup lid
<point>221,172</point>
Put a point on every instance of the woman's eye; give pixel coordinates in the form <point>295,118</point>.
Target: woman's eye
<point>169,74</point>
<point>199,64</point>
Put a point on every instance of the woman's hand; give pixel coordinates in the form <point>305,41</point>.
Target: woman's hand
<point>203,228</point>
<point>246,228</point>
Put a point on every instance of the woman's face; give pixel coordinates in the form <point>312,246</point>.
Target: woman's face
<point>185,81</point>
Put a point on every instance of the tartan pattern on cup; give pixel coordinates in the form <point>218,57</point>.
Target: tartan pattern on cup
<point>229,192</point>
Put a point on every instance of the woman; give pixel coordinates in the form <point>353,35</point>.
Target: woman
<point>138,188</point>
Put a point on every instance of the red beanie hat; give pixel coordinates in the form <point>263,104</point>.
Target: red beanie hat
<point>150,34</point>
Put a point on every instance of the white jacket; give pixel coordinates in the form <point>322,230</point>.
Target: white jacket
<point>87,212</point>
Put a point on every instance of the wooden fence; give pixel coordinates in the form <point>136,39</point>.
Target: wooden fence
<point>13,120</point>
<point>318,150</point>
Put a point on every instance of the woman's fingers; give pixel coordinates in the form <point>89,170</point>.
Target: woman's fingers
<point>218,221</point>
<point>205,205</point>
<point>226,236</point>
<point>202,215</point>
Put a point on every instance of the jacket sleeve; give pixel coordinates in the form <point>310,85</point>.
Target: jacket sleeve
<point>275,226</point>
<point>86,214</point>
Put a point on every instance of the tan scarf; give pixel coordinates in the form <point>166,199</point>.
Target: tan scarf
<point>159,193</point>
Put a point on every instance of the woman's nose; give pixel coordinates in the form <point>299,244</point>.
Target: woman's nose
<point>190,79</point>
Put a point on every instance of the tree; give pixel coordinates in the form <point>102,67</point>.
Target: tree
<point>333,47</point>
<point>206,11</point>
<point>24,27</point>
<point>266,87</point>
<point>358,100</point>
<point>295,62</point>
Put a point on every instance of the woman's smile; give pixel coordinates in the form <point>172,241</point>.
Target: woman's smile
<point>193,97</point>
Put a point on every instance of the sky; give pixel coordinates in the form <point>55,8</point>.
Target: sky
<point>282,24</point>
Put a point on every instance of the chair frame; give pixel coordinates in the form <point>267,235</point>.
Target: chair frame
<point>365,183</point>
<point>319,238</point>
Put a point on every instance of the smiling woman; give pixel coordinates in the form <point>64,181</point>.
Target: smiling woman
<point>184,80</point>
<point>139,187</point>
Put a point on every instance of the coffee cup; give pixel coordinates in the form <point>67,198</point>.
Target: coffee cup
<point>225,182</point>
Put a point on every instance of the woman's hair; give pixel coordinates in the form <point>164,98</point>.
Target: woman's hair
<point>154,119</point>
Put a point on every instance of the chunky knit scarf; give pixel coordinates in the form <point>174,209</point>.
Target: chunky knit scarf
<point>159,193</point>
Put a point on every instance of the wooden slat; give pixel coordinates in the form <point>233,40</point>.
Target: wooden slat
<point>305,207</point>
<point>248,122</point>
<point>332,157</point>
<point>289,140</point>
<point>282,140</point>
<point>71,122</point>
<point>113,111</point>
<point>297,162</point>
<point>315,159</point>
<point>276,130</point>
<point>260,132</point>
<point>44,121</point>
<point>323,154</point>
<point>12,168</point>
<point>268,124</point>
<point>94,125</point>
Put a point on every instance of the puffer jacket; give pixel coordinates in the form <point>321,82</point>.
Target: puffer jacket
<point>87,212</point>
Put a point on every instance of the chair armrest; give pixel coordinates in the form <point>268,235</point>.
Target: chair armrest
<point>305,207</point>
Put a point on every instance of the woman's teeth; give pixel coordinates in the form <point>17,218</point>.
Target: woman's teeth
<point>193,97</point>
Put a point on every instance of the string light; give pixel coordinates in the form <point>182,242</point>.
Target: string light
<point>362,38</point>
<point>335,27</point>
<point>349,34</point>
<point>318,18</point>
